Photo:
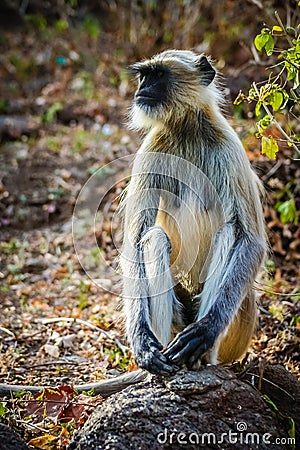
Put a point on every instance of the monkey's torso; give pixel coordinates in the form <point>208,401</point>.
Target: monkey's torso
<point>191,216</point>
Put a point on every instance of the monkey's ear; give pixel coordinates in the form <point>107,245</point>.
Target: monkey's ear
<point>206,70</point>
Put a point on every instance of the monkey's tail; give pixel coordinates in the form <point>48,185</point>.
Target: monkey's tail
<point>104,387</point>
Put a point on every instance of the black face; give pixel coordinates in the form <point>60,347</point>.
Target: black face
<point>153,86</point>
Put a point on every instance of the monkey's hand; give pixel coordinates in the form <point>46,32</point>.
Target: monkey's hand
<point>191,343</point>
<point>148,356</point>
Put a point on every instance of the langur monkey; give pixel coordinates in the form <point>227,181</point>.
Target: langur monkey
<point>194,236</point>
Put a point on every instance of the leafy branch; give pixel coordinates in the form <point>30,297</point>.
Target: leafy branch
<point>280,93</point>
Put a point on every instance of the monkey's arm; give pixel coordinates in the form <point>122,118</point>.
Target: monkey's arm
<point>222,295</point>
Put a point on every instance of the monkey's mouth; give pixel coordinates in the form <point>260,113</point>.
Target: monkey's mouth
<point>146,100</point>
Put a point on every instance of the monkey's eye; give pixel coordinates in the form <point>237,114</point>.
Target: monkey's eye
<point>160,73</point>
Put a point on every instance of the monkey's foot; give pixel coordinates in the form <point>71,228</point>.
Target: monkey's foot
<point>193,342</point>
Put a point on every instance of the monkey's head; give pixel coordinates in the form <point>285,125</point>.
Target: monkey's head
<point>171,84</point>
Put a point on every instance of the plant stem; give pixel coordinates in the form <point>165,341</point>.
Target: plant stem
<point>283,27</point>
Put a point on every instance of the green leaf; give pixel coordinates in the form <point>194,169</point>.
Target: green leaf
<point>92,26</point>
<point>269,147</point>
<point>276,100</point>
<point>50,115</point>
<point>296,81</point>
<point>19,394</point>
<point>240,98</point>
<point>295,321</point>
<point>288,211</point>
<point>277,311</point>
<point>288,421</point>
<point>252,95</point>
<point>264,41</point>
<point>260,41</point>
<point>257,109</point>
<point>37,20</point>
<point>277,29</point>
<point>61,25</point>
<point>263,124</point>
<point>3,409</point>
<point>269,46</point>
<point>270,265</point>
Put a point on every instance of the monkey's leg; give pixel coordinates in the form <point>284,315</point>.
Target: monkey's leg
<point>163,302</point>
<point>146,347</point>
<point>139,260</point>
<point>237,339</point>
<point>222,294</point>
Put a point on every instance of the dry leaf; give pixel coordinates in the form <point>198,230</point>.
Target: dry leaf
<point>47,442</point>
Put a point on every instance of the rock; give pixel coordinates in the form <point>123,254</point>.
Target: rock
<point>210,409</point>
<point>10,440</point>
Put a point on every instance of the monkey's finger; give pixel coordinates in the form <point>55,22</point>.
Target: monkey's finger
<point>164,369</point>
<point>170,351</point>
<point>155,362</point>
<point>181,356</point>
<point>174,367</point>
<point>172,344</point>
<point>176,343</point>
<point>180,341</point>
<point>163,365</point>
<point>183,338</point>
<point>196,356</point>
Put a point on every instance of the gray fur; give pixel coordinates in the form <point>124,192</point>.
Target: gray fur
<point>193,187</point>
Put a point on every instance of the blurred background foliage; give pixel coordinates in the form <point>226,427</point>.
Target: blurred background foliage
<point>225,28</point>
<point>79,33</point>
<point>65,90</point>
